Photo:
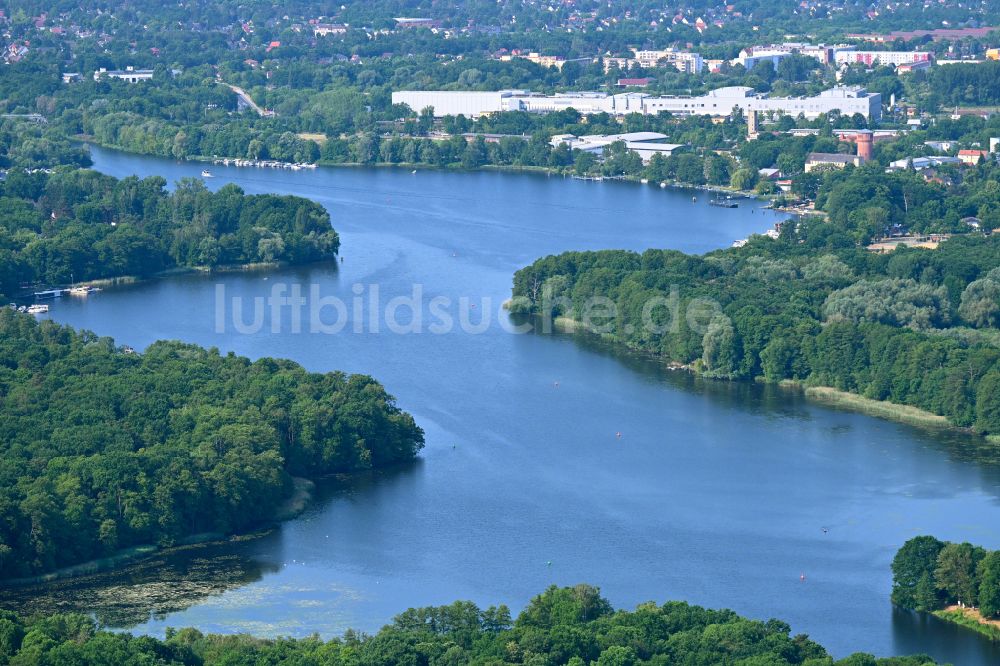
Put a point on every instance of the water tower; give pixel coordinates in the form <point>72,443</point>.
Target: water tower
<point>865,143</point>
<point>753,125</point>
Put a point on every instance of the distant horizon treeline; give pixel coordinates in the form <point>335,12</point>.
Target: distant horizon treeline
<point>102,449</point>
<point>78,225</point>
<point>574,626</point>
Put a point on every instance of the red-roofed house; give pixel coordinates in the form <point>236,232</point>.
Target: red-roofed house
<point>972,156</point>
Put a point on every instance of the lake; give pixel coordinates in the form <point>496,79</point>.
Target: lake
<point>550,458</point>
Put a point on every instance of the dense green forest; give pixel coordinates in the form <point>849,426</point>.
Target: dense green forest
<point>29,145</point>
<point>76,224</point>
<point>929,574</point>
<point>573,626</point>
<point>867,203</point>
<point>916,326</point>
<point>102,449</point>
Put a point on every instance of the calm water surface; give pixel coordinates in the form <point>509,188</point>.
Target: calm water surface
<point>715,493</point>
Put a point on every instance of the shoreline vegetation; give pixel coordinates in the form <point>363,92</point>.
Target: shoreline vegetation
<point>911,333</point>
<point>826,395</point>
<point>562,172</point>
<point>176,445</point>
<point>568,625</point>
<point>120,229</point>
<point>883,409</point>
<point>126,280</point>
<point>970,618</point>
<point>956,582</point>
<point>303,492</point>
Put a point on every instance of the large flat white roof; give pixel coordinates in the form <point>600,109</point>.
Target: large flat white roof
<point>634,137</point>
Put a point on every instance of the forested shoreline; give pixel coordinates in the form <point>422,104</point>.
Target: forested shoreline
<point>103,449</point>
<point>915,326</point>
<point>570,625</point>
<point>958,582</point>
<point>78,225</point>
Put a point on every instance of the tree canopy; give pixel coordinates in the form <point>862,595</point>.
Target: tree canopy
<point>913,327</point>
<point>102,448</point>
<point>928,574</point>
<point>77,224</point>
<point>573,626</point>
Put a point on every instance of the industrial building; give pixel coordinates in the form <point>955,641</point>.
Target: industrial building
<point>455,103</point>
<point>645,144</point>
<point>921,163</point>
<point>870,58</point>
<point>129,74</point>
<point>720,102</point>
<point>822,52</point>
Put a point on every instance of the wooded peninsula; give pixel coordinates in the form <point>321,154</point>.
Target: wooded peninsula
<point>102,448</point>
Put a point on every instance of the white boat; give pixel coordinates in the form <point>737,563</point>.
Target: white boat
<point>205,173</point>
<point>82,290</point>
<point>37,309</point>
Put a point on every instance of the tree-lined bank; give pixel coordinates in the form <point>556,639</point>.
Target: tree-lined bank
<point>573,626</point>
<point>103,449</point>
<point>79,225</point>
<point>915,327</point>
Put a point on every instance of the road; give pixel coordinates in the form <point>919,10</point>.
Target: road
<point>249,100</point>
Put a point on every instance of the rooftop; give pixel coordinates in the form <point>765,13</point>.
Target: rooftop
<point>833,158</point>
<point>628,137</point>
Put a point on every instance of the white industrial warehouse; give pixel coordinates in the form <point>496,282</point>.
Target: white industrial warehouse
<point>645,144</point>
<point>721,102</point>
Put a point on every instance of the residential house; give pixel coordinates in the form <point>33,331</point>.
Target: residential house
<point>972,157</point>
<point>830,160</point>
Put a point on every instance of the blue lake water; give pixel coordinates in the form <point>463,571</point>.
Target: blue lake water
<point>714,493</point>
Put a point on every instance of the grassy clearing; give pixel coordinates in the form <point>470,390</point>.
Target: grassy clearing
<point>971,619</point>
<point>312,136</point>
<point>880,408</point>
